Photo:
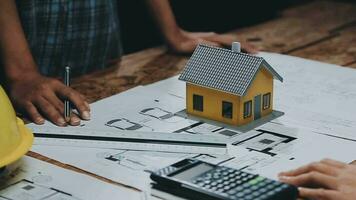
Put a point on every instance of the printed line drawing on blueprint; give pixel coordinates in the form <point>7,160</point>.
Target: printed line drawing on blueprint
<point>25,189</point>
<point>34,179</point>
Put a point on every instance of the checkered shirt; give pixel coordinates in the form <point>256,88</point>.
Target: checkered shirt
<point>82,33</point>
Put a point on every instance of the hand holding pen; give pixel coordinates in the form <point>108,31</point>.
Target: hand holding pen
<point>41,98</point>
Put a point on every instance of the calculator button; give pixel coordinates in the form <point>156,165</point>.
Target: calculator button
<point>256,194</point>
<point>247,191</point>
<point>207,187</point>
<point>243,174</point>
<point>277,189</point>
<point>220,190</point>
<point>261,184</point>
<point>201,184</point>
<point>284,186</point>
<point>240,194</point>
<point>271,193</point>
<point>231,192</point>
<point>251,176</point>
<point>254,187</point>
<point>269,187</point>
<point>263,190</point>
<point>276,184</point>
<point>226,188</point>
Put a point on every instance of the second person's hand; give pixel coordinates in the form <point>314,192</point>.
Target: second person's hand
<point>41,97</point>
<point>324,180</point>
<point>186,42</point>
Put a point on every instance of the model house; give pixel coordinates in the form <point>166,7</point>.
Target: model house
<point>228,86</point>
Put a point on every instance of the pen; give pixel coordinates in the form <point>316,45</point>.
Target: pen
<point>67,109</point>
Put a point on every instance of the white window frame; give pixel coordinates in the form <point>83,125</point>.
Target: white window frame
<point>247,112</point>
<point>266,101</point>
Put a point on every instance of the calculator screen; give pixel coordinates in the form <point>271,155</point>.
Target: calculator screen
<point>193,172</point>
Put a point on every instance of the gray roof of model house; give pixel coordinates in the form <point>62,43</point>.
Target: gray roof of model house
<point>223,69</point>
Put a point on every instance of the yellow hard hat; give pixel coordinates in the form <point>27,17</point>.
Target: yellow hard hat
<point>15,138</point>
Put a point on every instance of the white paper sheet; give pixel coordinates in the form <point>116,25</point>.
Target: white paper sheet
<point>37,180</point>
<point>315,95</point>
<point>130,168</point>
<point>151,109</point>
<point>288,148</point>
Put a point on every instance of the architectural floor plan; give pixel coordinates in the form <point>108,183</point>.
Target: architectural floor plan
<point>38,180</point>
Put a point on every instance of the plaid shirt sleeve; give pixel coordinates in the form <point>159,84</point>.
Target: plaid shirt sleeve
<point>82,33</point>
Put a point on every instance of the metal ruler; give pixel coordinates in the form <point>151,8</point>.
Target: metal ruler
<point>120,139</point>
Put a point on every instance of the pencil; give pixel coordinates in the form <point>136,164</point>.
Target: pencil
<point>67,109</point>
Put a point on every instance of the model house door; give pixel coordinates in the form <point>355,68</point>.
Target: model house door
<point>257,107</point>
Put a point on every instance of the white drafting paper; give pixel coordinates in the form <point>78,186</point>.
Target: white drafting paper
<point>268,150</point>
<point>131,168</point>
<point>154,111</point>
<point>286,149</point>
<point>37,180</point>
<point>315,95</point>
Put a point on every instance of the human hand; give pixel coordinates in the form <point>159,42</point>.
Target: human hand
<point>186,42</point>
<point>324,180</point>
<point>40,97</point>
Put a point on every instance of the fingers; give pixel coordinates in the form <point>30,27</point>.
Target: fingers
<point>210,43</point>
<point>76,98</point>
<point>50,111</point>
<point>311,179</point>
<point>227,39</point>
<point>33,113</point>
<point>316,166</point>
<point>222,39</point>
<point>334,163</point>
<point>74,120</point>
<point>249,48</point>
<point>52,98</point>
<point>202,34</point>
<point>55,101</point>
<point>318,194</point>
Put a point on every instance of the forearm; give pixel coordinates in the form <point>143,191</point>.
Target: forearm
<point>15,53</point>
<point>163,15</point>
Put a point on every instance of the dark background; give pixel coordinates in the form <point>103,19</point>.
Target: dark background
<point>139,30</point>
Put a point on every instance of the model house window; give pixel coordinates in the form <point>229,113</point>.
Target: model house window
<point>247,109</point>
<point>198,102</point>
<point>227,109</point>
<point>266,101</point>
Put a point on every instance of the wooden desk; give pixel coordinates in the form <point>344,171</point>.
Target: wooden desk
<point>321,30</point>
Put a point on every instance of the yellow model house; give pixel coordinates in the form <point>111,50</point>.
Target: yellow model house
<point>228,86</point>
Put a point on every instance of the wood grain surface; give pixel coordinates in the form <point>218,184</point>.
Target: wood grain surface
<point>320,30</point>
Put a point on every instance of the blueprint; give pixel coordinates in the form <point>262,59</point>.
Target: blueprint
<point>154,111</point>
<point>267,150</point>
<point>37,180</point>
<point>131,168</point>
<point>318,100</point>
<point>314,95</point>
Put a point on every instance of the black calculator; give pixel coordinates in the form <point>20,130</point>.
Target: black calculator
<point>195,179</point>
